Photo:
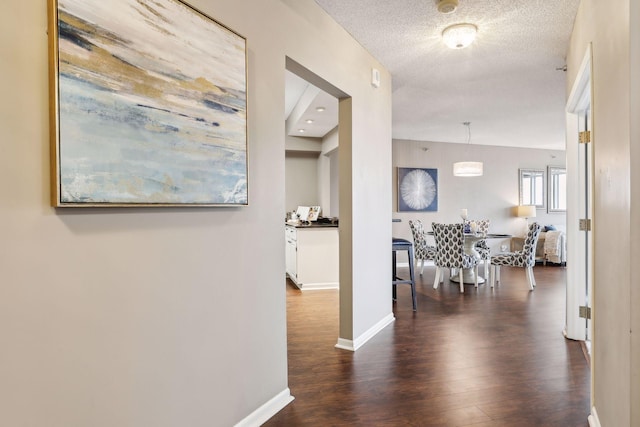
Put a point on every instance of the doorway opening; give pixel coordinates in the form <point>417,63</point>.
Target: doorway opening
<point>317,148</point>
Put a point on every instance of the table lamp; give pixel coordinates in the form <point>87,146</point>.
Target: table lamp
<point>526,212</point>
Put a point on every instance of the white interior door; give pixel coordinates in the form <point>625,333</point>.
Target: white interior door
<point>585,218</point>
<point>579,205</point>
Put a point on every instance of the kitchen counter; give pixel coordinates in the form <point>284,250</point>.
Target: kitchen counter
<point>310,225</point>
<point>312,255</point>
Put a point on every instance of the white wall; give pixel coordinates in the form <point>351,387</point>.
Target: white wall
<point>150,317</point>
<point>303,158</point>
<point>491,196</point>
<point>301,180</point>
<point>329,178</point>
<point>616,346</point>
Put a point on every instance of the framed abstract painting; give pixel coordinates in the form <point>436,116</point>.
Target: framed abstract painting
<point>417,190</point>
<point>148,105</point>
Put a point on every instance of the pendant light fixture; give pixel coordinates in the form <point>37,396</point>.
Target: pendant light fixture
<point>468,168</point>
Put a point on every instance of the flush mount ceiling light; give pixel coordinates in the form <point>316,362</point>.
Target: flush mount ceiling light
<point>309,121</point>
<point>320,109</point>
<point>459,36</point>
<point>447,6</point>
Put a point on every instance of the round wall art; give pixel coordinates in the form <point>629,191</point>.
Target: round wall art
<point>417,190</point>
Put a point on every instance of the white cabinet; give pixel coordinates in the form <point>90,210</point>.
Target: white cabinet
<point>290,254</point>
<point>312,256</point>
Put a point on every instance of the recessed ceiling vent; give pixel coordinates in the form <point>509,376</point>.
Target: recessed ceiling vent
<point>447,6</point>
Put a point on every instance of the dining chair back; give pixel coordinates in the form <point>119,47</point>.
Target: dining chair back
<point>526,258</point>
<point>450,252</point>
<point>422,250</point>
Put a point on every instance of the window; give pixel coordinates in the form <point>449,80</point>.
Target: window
<point>532,187</point>
<point>557,189</point>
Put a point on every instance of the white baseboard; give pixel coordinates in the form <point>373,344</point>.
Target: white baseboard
<point>593,418</point>
<point>318,286</point>
<point>353,345</point>
<point>313,286</point>
<point>268,410</point>
<point>344,344</point>
<point>417,264</point>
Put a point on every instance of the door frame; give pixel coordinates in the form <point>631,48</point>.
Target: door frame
<point>578,104</point>
<point>580,268</point>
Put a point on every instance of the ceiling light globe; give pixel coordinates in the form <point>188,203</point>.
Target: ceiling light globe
<point>459,36</point>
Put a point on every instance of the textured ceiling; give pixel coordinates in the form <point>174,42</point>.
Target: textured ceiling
<point>506,83</point>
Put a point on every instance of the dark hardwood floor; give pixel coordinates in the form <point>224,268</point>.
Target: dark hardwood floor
<point>482,358</point>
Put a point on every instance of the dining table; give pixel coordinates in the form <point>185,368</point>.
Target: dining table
<point>470,240</point>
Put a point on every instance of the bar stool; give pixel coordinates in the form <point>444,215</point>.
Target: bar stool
<point>403,245</point>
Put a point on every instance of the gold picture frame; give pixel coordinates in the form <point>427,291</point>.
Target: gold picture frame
<point>148,106</point>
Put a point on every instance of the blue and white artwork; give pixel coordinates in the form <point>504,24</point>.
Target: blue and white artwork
<point>152,103</point>
<point>417,190</point>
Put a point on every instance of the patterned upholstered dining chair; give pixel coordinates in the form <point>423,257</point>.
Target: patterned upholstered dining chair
<point>450,252</point>
<point>526,258</point>
<point>422,251</point>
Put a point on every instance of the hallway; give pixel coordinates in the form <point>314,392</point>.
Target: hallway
<point>482,358</point>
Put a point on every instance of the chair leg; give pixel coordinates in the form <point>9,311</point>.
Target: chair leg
<point>421,266</point>
<point>487,266</point>
<point>461,280</point>
<point>476,275</point>
<point>414,297</point>
<point>492,276</point>
<point>437,281</point>
<point>533,279</point>
<point>530,279</point>
<point>495,275</point>
<point>412,276</point>
<point>411,264</point>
